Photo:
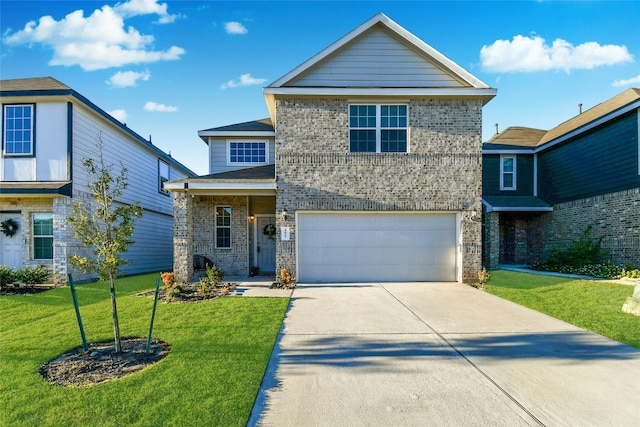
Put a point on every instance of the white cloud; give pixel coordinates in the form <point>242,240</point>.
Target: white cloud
<point>160,108</point>
<point>120,115</point>
<point>244,80</point>
<point>128,78</point>
<point>235,28</point>
<point>526,54</point>
<point>145,7</point>
<point>628,82</point>
<point>97,41</point>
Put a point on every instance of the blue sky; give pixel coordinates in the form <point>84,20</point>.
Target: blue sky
<point>169,69</point>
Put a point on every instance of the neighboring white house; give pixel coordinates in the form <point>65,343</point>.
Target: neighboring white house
<point>48,129</point>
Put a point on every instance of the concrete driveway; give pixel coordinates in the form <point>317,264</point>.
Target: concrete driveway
<point>417,354</point>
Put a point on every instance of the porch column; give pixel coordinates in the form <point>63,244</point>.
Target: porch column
<point>492,239</point>
<point>182,236</point>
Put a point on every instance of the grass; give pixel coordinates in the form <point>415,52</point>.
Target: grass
<point>591,305</point>
<point>211,377</point>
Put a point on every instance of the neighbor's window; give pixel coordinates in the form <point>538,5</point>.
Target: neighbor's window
<point>223,227</point>
<point>163,175</point>
<point>508,172</point>
<point>247,152</point>
<point>42,236</point>
<point>18,129</point>
<point>378,128</point>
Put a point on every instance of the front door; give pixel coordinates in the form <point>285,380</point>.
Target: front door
<point>265,244</point>
<point>11,246</point>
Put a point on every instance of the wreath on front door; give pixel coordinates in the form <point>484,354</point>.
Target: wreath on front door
<point>269,230</point>
<point>9,227</point>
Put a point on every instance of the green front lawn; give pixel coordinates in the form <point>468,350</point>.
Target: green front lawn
<point>592,305</point>
<point>210,378</point>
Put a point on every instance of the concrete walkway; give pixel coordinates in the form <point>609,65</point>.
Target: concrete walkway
<point>418,354</point>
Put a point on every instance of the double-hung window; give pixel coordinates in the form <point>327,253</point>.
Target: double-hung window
<point>378,128</point>
<point>163,175</point>
<point>508,172</point>
<point>18,129</point>
<point>246,152</point>
<point>42,236</point>
<point>223,227</point>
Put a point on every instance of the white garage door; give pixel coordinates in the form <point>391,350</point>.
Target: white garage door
<point>376,247</point>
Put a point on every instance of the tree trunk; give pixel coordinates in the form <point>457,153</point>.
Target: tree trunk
<point>114,312</point>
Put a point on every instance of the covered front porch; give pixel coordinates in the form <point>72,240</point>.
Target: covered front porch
<point>228,218</point>
<point>513,229</point>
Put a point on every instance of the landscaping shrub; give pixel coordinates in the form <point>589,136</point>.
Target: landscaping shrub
<point>584,251</point>
<point>7,275</point>
<point>32,275</point>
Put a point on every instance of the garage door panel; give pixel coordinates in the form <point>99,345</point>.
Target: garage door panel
<point>376,247</point>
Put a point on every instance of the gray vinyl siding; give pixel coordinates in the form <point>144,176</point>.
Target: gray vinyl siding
<point>377,59</point>
<point>491,176</point>
<point>603,160</point>
<point>218,153</point>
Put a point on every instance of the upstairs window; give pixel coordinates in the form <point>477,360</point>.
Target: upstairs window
<point>241,152</point>
<point>18,130</point>
<point>223,227</point>
<point>378,128</point>
<point>163,175</point>
<point>508,172</point>
<point>42,236</point>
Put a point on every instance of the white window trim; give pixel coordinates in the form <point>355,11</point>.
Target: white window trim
<point>266,153</point>
<point>216,227</point>
<point>161,188</point>
<point>503,157</point>
<point>33,130</point>
<point>34,236</point>
<point>378,106</point>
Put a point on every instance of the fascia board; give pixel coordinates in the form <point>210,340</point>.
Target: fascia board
<point>522,209</point>
<point>367,91</point>
<point>510,151</point>
<point>176,186</point>
<point>236,133</point>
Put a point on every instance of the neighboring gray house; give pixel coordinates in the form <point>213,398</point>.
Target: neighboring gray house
<point>48,129</point>
<point>368,169</point>
<point>543,189</point>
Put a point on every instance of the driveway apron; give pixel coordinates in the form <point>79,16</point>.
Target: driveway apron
<point>417,354</point>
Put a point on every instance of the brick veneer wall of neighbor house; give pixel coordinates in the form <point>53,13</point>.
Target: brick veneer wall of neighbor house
<point>442,171</point>
<point>614,215</point>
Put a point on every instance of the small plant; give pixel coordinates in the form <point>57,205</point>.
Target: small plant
<point>172,291</point>
<point>32,275</point>
<point>7,275</point>
<point>167,278</point>
<point>285,276</point>
<point>203,287</point>
<point>214,275</point>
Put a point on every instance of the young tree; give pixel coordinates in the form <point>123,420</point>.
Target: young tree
<point>108,229</point>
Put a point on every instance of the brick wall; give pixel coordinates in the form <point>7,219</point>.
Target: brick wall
<point>234,261</point>
<point>442,172</point>
<point>615,216</point>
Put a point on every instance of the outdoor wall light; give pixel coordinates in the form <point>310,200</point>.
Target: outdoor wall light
<point>284,214</point>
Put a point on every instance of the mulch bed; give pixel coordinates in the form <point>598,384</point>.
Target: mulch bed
<point>190,293</point>
<point>82,369</point>
<point>22,289</point>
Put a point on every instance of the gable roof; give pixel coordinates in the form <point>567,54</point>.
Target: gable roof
<point>518,136</point>
<point>327,73</point>
<point>48,86</point>
<point>262,127</point>
<point>529,140</point>
<point>591,115</point>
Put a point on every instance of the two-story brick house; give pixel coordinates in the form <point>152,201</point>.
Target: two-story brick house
<point>543,189</point>
<point>368,169</point>
<point>48,129</point>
